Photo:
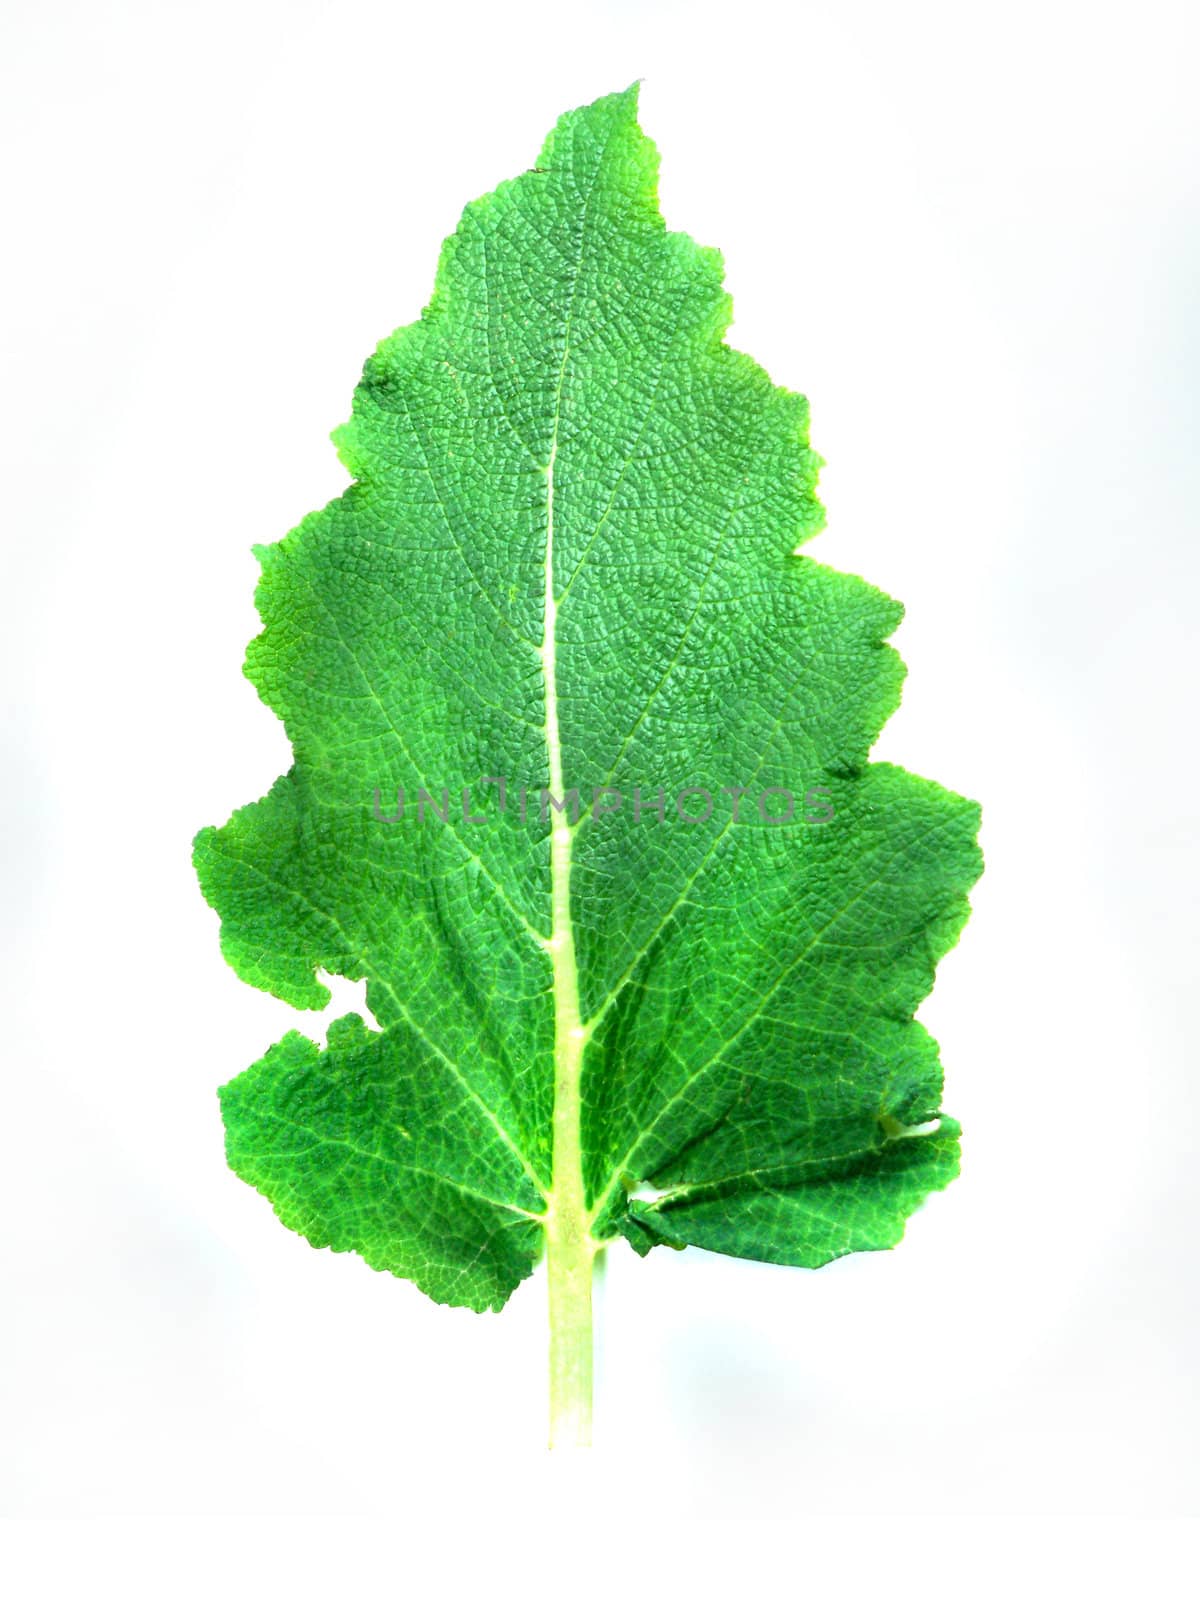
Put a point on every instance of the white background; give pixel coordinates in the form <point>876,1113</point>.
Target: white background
<point>970,234</point>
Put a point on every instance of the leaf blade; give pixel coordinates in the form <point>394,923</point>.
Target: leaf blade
<point>570,558</point>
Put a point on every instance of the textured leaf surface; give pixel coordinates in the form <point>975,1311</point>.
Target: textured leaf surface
<point>749,1072</point>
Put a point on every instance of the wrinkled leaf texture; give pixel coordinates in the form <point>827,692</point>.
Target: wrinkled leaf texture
<point>754,1074</point>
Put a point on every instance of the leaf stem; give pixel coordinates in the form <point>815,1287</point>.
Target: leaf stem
<point>570,1248</point>
<point>569,1254</point>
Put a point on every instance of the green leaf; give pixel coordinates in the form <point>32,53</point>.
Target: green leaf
<point>569,560</point>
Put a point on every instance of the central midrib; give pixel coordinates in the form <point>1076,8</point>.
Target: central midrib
<point>566,1219</point>
<point>569,1245</point>
<point>570,1036</point>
